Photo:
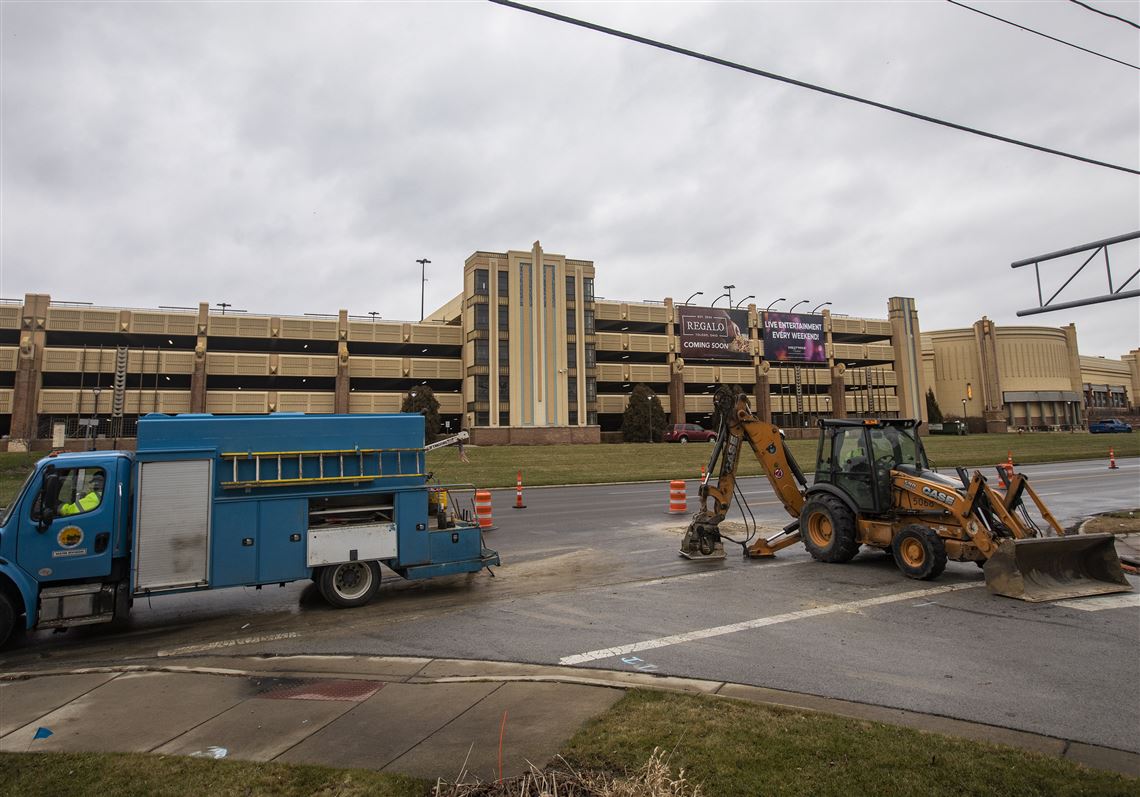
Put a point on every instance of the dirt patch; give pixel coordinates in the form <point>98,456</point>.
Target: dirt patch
<point>1125,522</point>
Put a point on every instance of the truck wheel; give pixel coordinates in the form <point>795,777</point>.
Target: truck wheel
<point>827,528</point>
<point>7,618</point>
<point>349,584</point>
<point>919,552</point>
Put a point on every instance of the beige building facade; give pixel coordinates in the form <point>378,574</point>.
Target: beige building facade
<point>1021,377</point>
<point>525,353</point>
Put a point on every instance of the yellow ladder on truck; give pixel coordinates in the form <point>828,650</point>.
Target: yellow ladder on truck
<point>290,468</point>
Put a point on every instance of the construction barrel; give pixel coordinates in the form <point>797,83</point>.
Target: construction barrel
<point>483,511</point>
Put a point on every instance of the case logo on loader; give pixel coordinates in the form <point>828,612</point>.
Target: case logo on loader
<point>938,495</point>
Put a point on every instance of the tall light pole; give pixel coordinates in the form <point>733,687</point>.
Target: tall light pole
<point>698,293</point>
<point>769,307</point>
<point>742,301</point>
<point>792,309</point>
<point>717,299</point>
<point>423,261</point>
<point>819,306</point>
<point>728,291</point>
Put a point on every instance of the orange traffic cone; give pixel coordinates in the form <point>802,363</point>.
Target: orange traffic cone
<point>702,472</point>
<point>1002,470</point>
<point>1111,460</point>
<point>518,494</point>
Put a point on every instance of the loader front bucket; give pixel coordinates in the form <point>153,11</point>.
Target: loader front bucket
<point>1051,568</point>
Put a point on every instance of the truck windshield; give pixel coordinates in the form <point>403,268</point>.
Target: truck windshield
<point>16,498</point>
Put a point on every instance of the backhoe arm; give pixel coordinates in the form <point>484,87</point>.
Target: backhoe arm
<point>737,424</point>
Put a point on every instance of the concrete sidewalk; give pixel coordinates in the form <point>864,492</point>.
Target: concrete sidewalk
<point>420,717</point>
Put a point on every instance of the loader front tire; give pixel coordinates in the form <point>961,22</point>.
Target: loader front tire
<point>349,584</point>
<point>827,528</point>
<point>919,552</point>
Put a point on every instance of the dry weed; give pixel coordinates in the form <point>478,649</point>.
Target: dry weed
<point>654,779</point>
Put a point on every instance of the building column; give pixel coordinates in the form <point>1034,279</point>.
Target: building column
<point>340,401</point>
<point>907,344</point>
<point>838,391</point>
<point>762,393</point>
<point>677,391</point>
<point>993,404</point>
<point>198,375</point>
<point>29,371</point>
<point>1132,360</point>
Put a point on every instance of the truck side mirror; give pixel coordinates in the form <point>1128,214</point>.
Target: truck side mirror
<point>49,497</point>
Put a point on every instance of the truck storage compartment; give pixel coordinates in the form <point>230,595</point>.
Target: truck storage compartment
<point>172,543</point>
<point>351,528</point>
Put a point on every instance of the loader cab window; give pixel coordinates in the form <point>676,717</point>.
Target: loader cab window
<point>852,465</point>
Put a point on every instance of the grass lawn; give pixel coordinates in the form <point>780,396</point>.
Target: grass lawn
<point>728,748</point>
<point>498,466</point>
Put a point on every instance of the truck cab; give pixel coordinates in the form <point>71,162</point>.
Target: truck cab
<point>64,544</point>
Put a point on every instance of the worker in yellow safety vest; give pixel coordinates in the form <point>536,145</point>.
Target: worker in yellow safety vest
<point>89,501</point>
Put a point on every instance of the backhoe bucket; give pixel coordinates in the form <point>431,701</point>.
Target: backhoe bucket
<point>1051,568</point>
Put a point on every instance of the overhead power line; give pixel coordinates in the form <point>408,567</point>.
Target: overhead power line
<point>1043,35</point>
<point>802,84</point>
<point>1104,13</point>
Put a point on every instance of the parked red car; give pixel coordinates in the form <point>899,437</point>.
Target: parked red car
<point>684,432</point>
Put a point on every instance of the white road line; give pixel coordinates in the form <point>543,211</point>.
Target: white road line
<point>1103,602</point>
<point>227,643</point>
<point>748,625</point>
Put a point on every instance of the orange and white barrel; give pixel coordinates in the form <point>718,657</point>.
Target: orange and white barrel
<point>678,502</point>
<point>483,513</point>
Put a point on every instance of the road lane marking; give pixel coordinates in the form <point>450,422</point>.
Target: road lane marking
<point>1103,602</point>
<point>748,625</point>
<point>227,643</point>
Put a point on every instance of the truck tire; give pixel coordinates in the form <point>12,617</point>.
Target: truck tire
<point>919,552</point>
<point>7,618</point>
<point>683,439</point>
<point>349,584</point>
<point>827,528</point>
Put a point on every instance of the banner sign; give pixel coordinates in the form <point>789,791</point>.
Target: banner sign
<point>793,338</point>
<point>713,333</point>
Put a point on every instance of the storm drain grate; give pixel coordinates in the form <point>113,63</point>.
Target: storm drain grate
<point>327,689</point>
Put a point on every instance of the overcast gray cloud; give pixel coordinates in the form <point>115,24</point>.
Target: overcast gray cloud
<point>299,157</point>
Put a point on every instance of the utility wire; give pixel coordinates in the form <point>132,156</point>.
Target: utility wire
<point>1105,13</point>
<point>1043,35</point>
<point>823,90</point>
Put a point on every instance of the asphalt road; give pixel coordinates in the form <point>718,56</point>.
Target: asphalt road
<point>591,578</point>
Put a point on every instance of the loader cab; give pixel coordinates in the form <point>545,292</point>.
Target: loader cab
<point>857,457</point>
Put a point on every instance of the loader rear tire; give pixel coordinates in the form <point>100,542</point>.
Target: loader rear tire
<point>919,552</point>
<point>827,528</point>
<point>349,584</point>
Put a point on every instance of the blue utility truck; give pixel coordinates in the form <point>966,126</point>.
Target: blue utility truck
<point>207,502</point>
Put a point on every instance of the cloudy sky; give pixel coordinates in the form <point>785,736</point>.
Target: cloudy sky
<point>300,157</point>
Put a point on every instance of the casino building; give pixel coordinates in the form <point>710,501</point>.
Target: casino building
<point>526,353</point>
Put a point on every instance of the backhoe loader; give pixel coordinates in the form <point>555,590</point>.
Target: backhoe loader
<point>874,486</point>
